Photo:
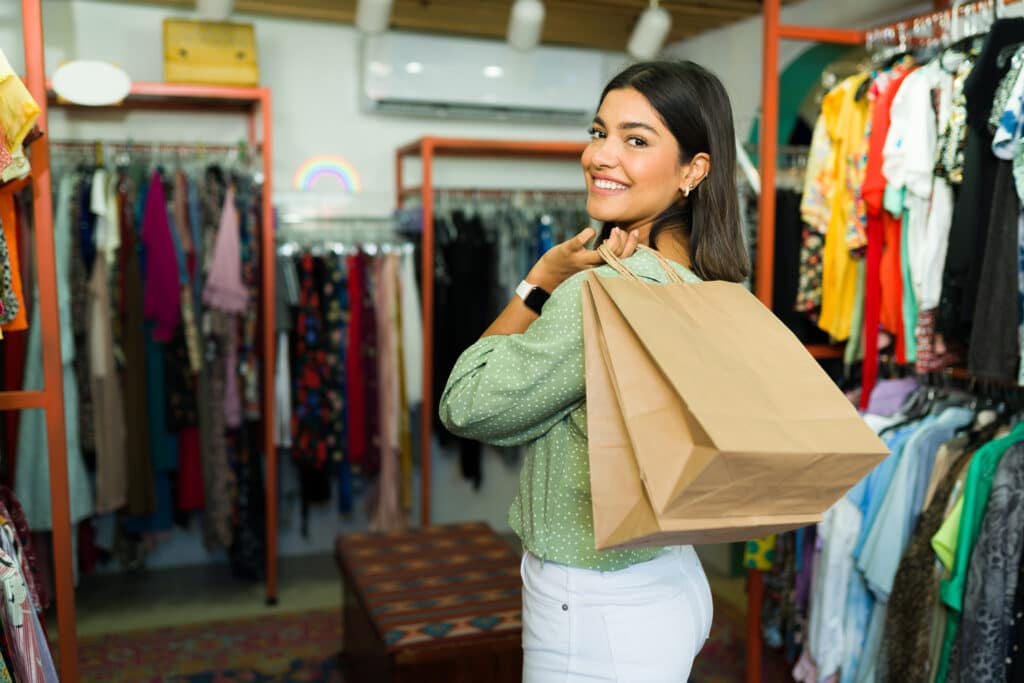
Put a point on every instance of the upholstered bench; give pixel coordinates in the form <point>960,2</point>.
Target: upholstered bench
<point>441,603</point>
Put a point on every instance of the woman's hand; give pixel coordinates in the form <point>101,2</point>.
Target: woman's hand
<point>564,260</point>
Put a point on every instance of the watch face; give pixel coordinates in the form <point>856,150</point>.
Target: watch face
<point>535,299</point>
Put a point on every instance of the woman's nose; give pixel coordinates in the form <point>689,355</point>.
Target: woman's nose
<point>604,155</point>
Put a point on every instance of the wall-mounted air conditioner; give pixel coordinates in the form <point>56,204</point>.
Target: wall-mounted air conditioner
<point>457,78</point>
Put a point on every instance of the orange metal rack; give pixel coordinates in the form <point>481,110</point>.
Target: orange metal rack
<point>256,104</point>
<point>428,149</point>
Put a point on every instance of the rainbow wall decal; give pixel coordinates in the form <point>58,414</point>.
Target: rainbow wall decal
<point>336,168</point>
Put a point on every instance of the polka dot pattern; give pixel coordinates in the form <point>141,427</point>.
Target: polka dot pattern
<point>530,389</point>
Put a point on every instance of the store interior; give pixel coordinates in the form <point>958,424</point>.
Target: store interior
<point>246,241</point>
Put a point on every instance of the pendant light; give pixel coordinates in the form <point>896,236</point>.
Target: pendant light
<point>525,23</point>
<point>373,16</point>
<point>650,32</point>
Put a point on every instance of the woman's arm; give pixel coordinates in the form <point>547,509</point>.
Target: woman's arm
<point>556,266</point>
<point>526,373</point>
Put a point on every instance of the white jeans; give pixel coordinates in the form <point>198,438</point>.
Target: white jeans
<point>645,623</point>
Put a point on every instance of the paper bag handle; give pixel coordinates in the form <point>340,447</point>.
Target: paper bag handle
<point>612,260</point>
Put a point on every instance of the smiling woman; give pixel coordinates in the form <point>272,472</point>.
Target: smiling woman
<point>659,171</point>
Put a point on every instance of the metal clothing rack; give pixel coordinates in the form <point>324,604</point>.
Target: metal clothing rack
<point>256,104</point>
<point>428,150</point>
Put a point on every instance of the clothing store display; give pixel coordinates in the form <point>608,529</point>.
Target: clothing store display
<point>346,348</point>
<point>915,573</point>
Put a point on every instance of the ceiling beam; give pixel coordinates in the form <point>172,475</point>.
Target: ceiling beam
<point>600,24</point>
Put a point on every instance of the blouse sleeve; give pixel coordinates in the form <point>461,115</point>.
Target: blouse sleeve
<point>508,390</point>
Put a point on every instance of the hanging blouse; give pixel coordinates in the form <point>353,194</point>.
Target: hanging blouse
<point>18,111</point>
<point>162,289</point>
<point>17,318</point>
<point>846,119</point>
<point>224,289</point>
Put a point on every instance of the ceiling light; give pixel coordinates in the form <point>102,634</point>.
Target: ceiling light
<point>493,71</point>
<point>373,16</point>
<point>650,32</point>
<point>525,24</point>
<point>414,68</point>
<point>214,10</point>
<point>91,83</point>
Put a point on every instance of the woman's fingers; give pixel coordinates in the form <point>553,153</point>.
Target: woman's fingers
<point>632,240</point>
<point>583,237</point>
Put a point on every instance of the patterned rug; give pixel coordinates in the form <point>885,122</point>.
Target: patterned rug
<point>301,647</point>
<point>280,647</point>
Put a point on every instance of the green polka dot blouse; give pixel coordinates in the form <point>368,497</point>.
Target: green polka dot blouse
<point>529,389</point>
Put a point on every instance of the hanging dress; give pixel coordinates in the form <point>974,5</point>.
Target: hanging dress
<point>32,478</point>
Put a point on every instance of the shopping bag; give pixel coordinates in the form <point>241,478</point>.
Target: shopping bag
<point>708,420</point>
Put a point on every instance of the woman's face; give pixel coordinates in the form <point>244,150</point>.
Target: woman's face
<point>632,163</point>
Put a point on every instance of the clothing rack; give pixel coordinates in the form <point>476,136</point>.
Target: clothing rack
<point>940,25</point>
<point>427,150</point>
<point>256,104</point>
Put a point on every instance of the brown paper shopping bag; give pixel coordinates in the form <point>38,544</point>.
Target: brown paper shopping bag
<point>708,420</point>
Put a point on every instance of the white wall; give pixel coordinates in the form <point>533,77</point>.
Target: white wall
<point>734,52</point>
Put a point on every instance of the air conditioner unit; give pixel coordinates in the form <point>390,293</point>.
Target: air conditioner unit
<point>459,78</point>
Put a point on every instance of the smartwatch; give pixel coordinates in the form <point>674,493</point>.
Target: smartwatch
<point>533,296</point>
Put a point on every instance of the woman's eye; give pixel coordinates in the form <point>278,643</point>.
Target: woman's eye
<point>596,134</point>
<point>636,142</point>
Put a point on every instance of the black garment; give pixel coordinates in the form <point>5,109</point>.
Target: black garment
<point>464,307</point>
<point>248,540</point>
<point>182,384</point>
<point>994,350</point>
<point>983,81</point>
<point>1015,651</point>
<point>786,277</point>
<point>973,205</point>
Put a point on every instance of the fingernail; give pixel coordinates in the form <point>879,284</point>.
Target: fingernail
<point>635,233</point>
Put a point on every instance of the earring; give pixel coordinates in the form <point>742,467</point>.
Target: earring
<point>686,191</point>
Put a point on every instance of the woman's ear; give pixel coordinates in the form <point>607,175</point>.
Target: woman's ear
<point>696,171</point>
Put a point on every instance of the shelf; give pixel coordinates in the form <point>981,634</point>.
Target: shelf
<point>21,400</point>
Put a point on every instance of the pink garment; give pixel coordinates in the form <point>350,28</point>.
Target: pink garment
<point>162,302</point>
<point>224,288</point>
<point>805,671</point>
<point>386,510</point>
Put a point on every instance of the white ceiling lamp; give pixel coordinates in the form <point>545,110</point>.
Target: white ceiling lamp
<point>91,83</point>
<point>214,10</point>
<point>525,24</point>
<point>650,32</point>
<point>373,16</point>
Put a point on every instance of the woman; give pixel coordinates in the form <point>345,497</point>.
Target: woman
<point>660,165</point>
